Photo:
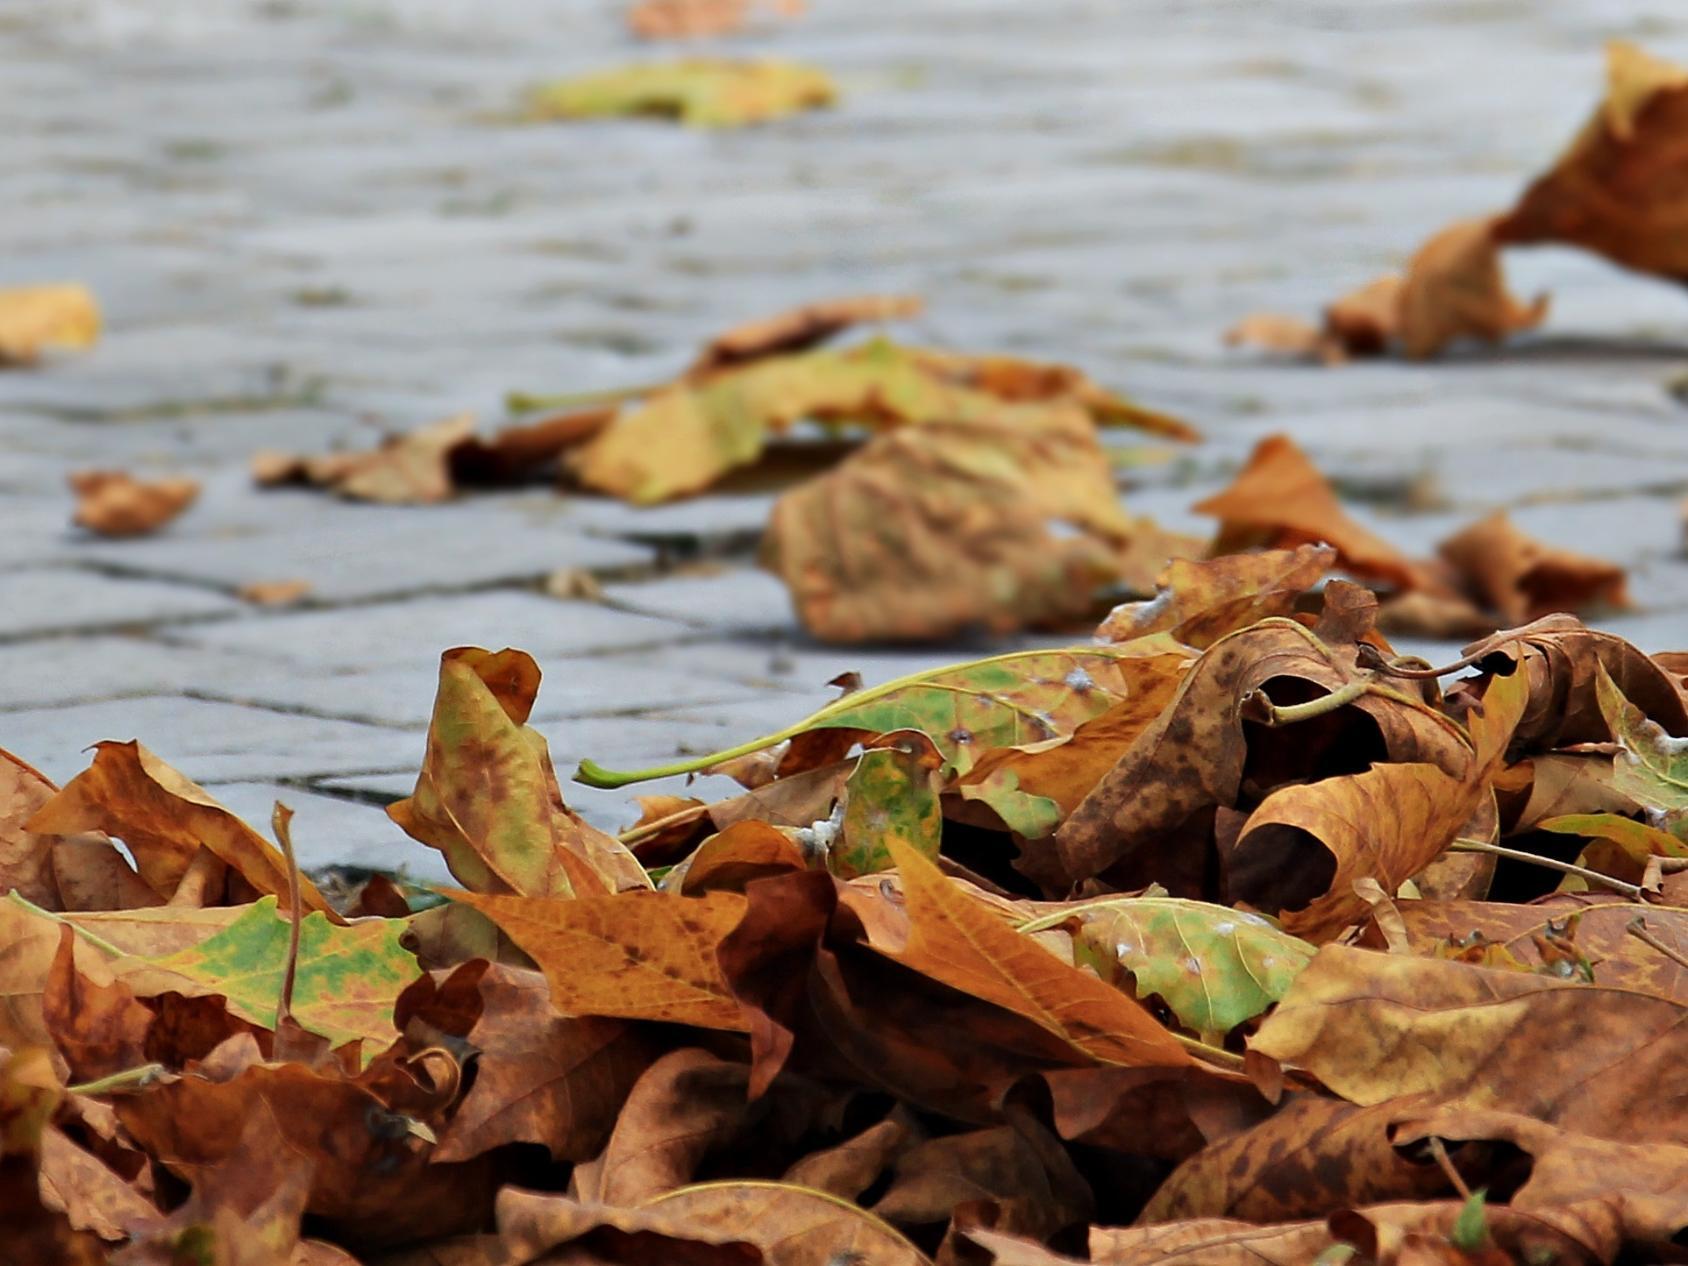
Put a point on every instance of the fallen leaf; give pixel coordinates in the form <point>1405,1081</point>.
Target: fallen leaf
<point>90,1194</point>
<point>1281,501</point>
<point>1213,966</point>
<point>274,593</point>
<point>1454,289</point>
<point>729,861</point>
<point>35,318</point>
<point>1199,602</point>
<point>165,820</point>
<point>800,328</point>
<point>965,709</point>
<point>541,1077</point>
<point>1375,1026</point>
<point>1276,332</point>
<point>1521,579</point>
<point>893,795</point>
<point>58,872</point>
<point>698,92</point>
<point>637,955</point>
<point>1003,523</point>
<point>1386,824</point>
<point>347,977</point>
<point>1652,768</point>
<point>1616,189</point>
<point>487,796</point>
<point>95,1022</point>
<point>956,940</point>
<point>115,503</point>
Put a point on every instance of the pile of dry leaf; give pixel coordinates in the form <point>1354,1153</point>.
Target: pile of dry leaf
<point>1235,939</point>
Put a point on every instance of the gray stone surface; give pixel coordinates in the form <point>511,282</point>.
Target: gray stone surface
<point>307,224</point>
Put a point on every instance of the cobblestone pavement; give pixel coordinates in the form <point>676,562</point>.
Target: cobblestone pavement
<point>301,219</point>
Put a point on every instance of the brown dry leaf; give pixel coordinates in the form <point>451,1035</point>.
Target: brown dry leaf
<point>1363,321</point>
<point>372,1180</point>
<point>1280,500</point>
<point>1562,659</point>
<point>541,1077</point>
<point>429,464</point>
<point>1618,188</point>
<point>96,1023</point>
<point>956,939</point>
<point>1153,809</point>
<point>1521,579</point>
<point>1373,1027</point>
<point>1200,602</point>
<point>1000,523</point>
<point>797,328</point>
<point>1313,1157</point>
<point>727,862</point>
<point>1385,825</point>
<point>1454,289</point>
<point>638,955</point>
<point>1276,332</point>
<point>89,1193</point>
<point>166,820</point>
<point>684,1106</point>
<point>274,593</point>
<point>35,318</point>
<point>854,1165</point>
<point>115,503</point>
<point>58,872</point>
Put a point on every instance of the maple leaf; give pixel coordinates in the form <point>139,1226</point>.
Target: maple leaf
<point>115,503</point>
<point>36,318</point>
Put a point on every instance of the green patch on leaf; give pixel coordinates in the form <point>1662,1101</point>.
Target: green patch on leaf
<point>1215,967</point>
<point>348,977</point>
<point>890,795</point>
<point>699,92</point>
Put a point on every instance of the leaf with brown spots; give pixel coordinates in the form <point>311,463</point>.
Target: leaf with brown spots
<point>637,955</point>
<point>1200,602</point>
<point>487,796</point>
<point>1376,1026</point>
<point>1281,501</point>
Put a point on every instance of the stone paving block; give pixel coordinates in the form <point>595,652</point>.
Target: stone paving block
<point>207,741</point>
<point>39,672</point>
<point>733,598</point>
<point>36,602</point>
<point>416,630</point>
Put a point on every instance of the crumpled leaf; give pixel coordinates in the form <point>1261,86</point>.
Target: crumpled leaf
<point>1199,602</point>
<point>1617,188</point>
<point>347,977</point>
<point>1385,825</point>
<point>1652,765</point>
<point>431,463</point>
<point>800,328</point>
<point>1521,579</point>
<point>487,796</point>
<point>1452,289</point>
<point>115,503</point>
<point>58,872</point>
<point>638,955</point>
<point>699,92</point>
<point>1375,1026</point>
<point>1190,761</point>
<point>965,709</point>
<point>1213,966</point>
<point>165,820</point>
<point>1281,501</point>
<point>35,318</point>
<point>540,1076</point>
<point>1000,523</point>
<point>955,939</point>
<point>684,437</point>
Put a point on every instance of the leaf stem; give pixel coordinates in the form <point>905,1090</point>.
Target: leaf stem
<point>1633,891</point>
<point>98,942</point>
<point>595,775</point>
<point>1288,714</point>
<point>129,1078</point>
<point>529,402</point>
<point>281,818</point>
<point>1217,1055</point>
<point>1638,929</point>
